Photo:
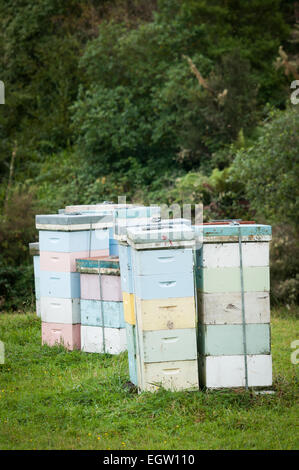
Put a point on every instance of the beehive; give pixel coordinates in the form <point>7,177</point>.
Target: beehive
<point>102,316</point>
<point>162,265</point>
<point>123,218</point>
<point>62,239</point>
<point>234,335</point>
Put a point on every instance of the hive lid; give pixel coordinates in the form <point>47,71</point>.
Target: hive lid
<point>163,234</point>
<point>229,232</point>
<point>101,207</point>
<point>99,264</point>
<point>73,222</point>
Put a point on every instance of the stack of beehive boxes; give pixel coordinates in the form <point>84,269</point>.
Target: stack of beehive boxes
<point>163,278</point>
<point>62,239</point>
<point>102,317</point>
<point>34,251</point>
<point>124,218</point>
<point>221,337</point>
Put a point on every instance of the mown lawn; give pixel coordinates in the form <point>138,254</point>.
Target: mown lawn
<point>52,399</point>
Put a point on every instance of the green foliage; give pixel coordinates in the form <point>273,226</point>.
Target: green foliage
<point>16,232</point>
<point>269,169</point>
<point>65,179</point>
<point>141,100</point>
<point>144,98</point>
<point>17,226</point>
<point>16,287</point>
<point>39,67</point>
<point>221,196</point>
<point>284,262</point>
<point>60,182</point>
<point>40,46</point>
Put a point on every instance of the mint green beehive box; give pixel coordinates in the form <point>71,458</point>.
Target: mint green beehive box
<point>227,340</point>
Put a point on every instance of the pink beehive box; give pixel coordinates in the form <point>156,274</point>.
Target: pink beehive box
<point>110,287</point>
<point>65,262</point>
<point>67,335</point>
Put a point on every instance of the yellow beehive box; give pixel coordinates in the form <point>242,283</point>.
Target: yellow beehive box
<point>166,314</point>
<point>129,308</point>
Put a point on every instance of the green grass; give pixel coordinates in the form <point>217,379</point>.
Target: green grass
<point>53,399</point>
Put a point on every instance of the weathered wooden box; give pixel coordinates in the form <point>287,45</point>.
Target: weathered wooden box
<point>174,375</point>
<point>229,371</point>
<point>151,262</point>
<point>97,312</point>
<point>101,287</point>
<point>60,310</point>
<point>67,335</point>
<point>167,345</point>
<point>166,314</point>
<point>60,284</point>
<point>65,262</point>
<point>78,241</point>
<point>227,340</point>
<point>96,339</point>
<point>226,307</point>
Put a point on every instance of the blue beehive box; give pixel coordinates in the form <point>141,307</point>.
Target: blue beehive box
<point>60,284</point>
<point>69,242</point>
<point>162,261</point>
<point>95,312</point>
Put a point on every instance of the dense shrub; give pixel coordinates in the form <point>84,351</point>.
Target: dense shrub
<point>284,263</point>
<point>17,230</point>
<point>188,80</point>
<point>152,99</point>
<point>16,287</point>
<point>269,169</point>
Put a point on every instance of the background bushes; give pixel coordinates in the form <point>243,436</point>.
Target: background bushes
<point>163,101</point>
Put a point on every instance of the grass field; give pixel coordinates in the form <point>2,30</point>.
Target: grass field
<point>52,399</point>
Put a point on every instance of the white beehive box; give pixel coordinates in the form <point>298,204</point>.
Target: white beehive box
<point>95,339</point>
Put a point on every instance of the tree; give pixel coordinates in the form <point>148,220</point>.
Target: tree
<point>140,100</point>
<point>270,168</point>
